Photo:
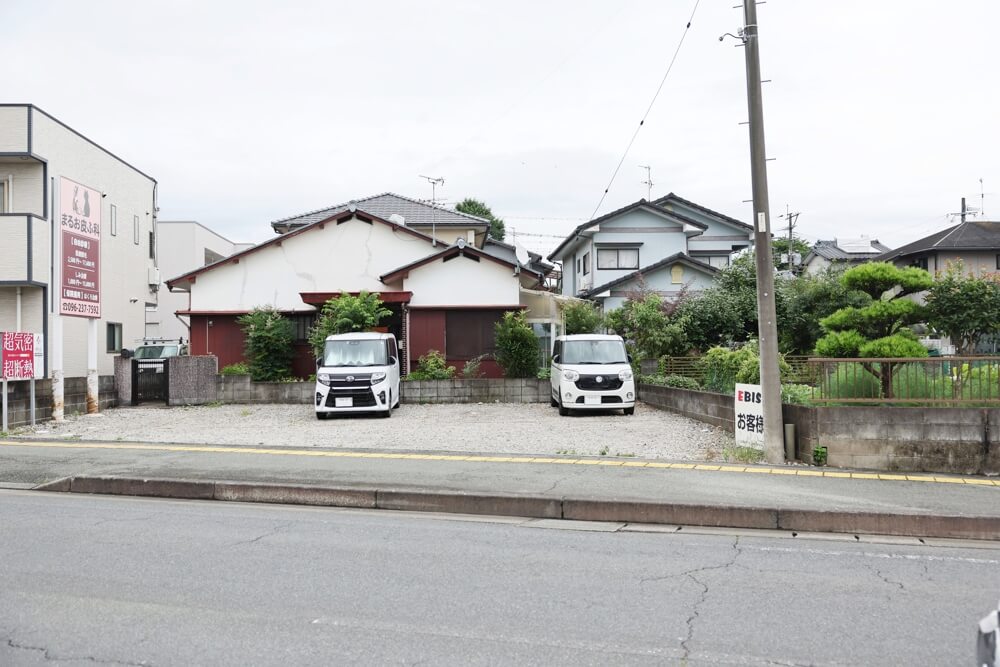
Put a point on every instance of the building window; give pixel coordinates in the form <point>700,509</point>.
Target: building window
<point>586,264</point>
<point>3,197</point>
<point>618,258</point>
<point>114,220</point>
<point>719,261</point>
<point>578,265</point>
<point>470,333</point>
<point>114,342</point>
<point>301,325</point>
<point>152,245</point>
<point>920,263</point>
<point>998,262</point>
<point>135,229</point>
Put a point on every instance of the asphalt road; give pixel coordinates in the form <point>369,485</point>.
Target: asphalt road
<point>87,580</point>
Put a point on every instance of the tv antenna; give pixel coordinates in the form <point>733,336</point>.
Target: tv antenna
<point>434,183</point>
<point>648,182</point>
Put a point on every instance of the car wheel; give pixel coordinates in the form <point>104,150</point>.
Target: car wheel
<point>629,411</point>
<point>322,415</point>
<point>563,410</point>
<point>553,402</point>
<point>388,412</point>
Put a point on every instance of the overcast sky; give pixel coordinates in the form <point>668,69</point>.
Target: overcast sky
<point>880,115</point>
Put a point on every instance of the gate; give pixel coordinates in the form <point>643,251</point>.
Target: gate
<point>150,380</point>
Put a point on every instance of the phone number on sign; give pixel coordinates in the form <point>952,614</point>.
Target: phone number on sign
<point>87,308</point>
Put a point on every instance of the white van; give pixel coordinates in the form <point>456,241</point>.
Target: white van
<point>358,372</point>
<point>591,372</point>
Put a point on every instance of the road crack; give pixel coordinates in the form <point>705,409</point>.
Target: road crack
<point>49,657</point>
<point>274,530</point>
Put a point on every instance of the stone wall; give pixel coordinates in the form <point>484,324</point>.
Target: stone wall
<point>479,390</point>
<point>74,398</point>
<point>945,440</point>
<point>193,380</point>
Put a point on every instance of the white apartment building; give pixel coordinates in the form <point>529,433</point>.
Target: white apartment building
<point>182,246</point>
<point>56,184</point>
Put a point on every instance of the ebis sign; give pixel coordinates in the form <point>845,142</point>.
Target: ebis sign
<point>749,404</point>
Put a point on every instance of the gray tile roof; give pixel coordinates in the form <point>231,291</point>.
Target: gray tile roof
<point>415,213</point>
<point>971,235</point>
<point>832,251</point>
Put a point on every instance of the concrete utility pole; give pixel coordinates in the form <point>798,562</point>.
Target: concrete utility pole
<point>770,379</point>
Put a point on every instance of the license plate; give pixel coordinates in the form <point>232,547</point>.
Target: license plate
<point>591,400</point>
<point>345,402</point>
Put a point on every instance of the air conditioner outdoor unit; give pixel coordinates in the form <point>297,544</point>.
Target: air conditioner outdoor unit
<point>153,276</point>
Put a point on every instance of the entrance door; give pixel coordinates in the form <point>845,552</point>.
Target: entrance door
<point>150,380</point>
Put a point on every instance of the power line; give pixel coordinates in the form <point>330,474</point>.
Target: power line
<point>648,109</point>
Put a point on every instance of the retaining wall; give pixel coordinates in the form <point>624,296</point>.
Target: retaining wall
<point>74,398</point>
<point>945,440</point>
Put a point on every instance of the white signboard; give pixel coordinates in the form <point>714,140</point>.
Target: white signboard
<point>749,412</point>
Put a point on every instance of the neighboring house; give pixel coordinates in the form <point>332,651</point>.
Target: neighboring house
<point>975,243</point>
<point>443,295</point>
<point>842,252</point>
<point>56,185</point>
<point>664,246</point>
<point>182,245</point>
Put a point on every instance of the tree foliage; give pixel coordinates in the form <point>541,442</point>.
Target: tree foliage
<point>432,366</point>
<point>268,337</point>
<point>517,350</point>
<point>648,330</point>
<point>964,307</point>
<point>471,206</point>
<point>582,317</point>
<point>344,314</point>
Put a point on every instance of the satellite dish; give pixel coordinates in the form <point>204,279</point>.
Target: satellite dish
<point>521,253</point>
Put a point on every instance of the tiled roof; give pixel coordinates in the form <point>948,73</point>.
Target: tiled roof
<point>832,251</point>
<point>970,235</point>
<point>733,221</point>
<point>673,259</point>
<point>415,213</point>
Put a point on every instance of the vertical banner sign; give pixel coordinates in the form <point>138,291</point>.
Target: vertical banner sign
<point>749,414</point>
<point>80,229</point>
<point>17,355</point>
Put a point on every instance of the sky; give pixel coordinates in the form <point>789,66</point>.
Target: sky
<point>879,116</point>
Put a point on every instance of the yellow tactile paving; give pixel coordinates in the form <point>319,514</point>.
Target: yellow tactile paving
<point>473,458</point>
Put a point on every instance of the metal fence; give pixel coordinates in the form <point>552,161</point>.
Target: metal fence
<point>801,372</point>
<point>906,381</point>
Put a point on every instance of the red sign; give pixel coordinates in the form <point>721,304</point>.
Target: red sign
<point>80,229</point>
<point>17,355</point>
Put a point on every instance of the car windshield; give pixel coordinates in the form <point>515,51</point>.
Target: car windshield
<point>155,351</point>
<point>354,353</point>
<point>593,352</point>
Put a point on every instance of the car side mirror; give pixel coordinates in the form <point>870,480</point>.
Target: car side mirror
<point>319,362</point>
<point>555,359</point>
<point>392,361</point>
<point>629,357</point>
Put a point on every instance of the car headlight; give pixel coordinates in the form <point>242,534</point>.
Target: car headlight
<point>377,377</point>
<point>625,375</point>
<point>324,378</point>
<point>571,376</point>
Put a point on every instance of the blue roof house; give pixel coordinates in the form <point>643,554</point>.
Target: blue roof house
<point>664,245</point>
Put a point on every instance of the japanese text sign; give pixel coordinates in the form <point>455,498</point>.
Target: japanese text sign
<point>749,412</point>
<point>80,261</point>
<point>20,355</point>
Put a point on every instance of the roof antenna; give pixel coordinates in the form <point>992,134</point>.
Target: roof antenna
<point>434,183</point>
<point>648,182</point>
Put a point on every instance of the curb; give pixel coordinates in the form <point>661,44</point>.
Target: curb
<point>541,507</point>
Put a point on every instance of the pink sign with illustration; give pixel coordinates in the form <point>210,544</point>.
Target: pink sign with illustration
<point>80,229</point>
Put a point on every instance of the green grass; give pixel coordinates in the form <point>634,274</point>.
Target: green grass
<point>738,454</point>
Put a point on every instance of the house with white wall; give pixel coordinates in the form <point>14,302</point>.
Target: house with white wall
<point>443,295</point>
<point>181,246</point>
<point>78,232</point>
<point>665,245</point>
<point>844,252</point>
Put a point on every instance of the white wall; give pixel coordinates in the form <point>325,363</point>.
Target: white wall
<point>463,282</point>
<point>13,129</point>
<point>350,256</point>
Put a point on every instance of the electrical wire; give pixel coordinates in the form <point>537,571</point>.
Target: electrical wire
<point>648,109</point>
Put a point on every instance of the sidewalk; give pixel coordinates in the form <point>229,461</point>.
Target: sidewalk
<point>795,498</point>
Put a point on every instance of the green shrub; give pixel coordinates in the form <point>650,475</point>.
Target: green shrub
<point>471,368</point>
<point>268,338</point>
<point>723,368</point>
<point>432,366</point>
<point>544,373</point>
<point>796,394</point>
<point>681,382</point>
<point>240,368</point>
<point>582,317</point>
<point>517,346</point>
<point>344,314</point>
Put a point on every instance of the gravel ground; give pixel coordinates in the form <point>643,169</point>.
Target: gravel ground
<point>489,427</point>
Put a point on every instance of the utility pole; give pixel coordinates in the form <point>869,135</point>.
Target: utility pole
<point>790,218</point>
<point>770,378</point>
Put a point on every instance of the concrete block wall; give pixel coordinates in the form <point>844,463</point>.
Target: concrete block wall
<point>74,398</point>
<point>193,380</point>
<point>239,389</point>
<point>479,390</point>
<point>716,409</point>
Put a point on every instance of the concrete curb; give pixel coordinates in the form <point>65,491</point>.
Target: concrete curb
<point>542,507</point>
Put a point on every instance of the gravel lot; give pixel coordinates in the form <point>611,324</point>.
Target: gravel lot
<point>489,427</point>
